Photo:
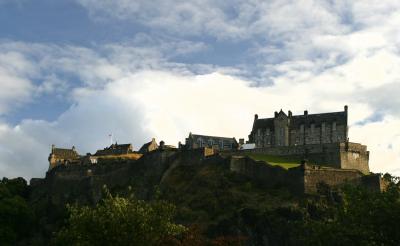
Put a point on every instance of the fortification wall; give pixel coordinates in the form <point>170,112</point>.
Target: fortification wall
<point>374,182</point>
<point>84,183</point>
<point>320,154</point>
<point>313,175</point>
<point>343,155</point>
<point>354,156</point>
<point>303,179</point>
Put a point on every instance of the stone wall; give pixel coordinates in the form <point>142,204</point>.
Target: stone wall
<point>303,179</point>
<point>354,156</point>
<point>318,134</point>
<point>374,182</point>
<point>313,175</point>
<point>84,183</point>
<point>288,130</point>
<point>343,155</point>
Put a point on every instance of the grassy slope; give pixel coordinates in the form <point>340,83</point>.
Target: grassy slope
<point>283,161</point>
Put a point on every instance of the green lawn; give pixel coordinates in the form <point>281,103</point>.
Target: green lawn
<point>283,161</point>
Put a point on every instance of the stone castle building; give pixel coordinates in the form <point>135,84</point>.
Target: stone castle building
<point>148,147</point>
<point>320,138</point>
<point>62,156</point>
<point>316,144</point>
<point>115,149</point>
<point>59,156</point>
<point>194,141</point>
<point>292,130</point>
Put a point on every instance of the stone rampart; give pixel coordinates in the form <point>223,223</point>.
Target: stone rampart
<point>343,155</point>
<point>313,175</point>
<point>84,183</point>
<point>303,179</point>
<point>354,156</point>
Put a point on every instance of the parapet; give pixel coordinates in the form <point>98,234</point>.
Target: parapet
<point>354,147</point>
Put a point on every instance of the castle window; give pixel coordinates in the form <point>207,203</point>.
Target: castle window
<point>301,128</point>
<point>334,126</point>
<point>200,142</point>
<point>356,155</point>
<point>210,142</point>
<point>312,128</point>
<point>323,126</point>
<point>259,132</point>
<point>267,132</point>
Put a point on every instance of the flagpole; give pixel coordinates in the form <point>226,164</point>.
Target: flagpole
<point>111,138</point>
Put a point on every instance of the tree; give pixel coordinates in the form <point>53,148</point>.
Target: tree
<point>361,217</point>
<point>16,217</point>
<point>119,221</point>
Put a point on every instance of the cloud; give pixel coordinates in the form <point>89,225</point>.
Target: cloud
<point>236,19</point>
<point>15,88</point>
<point>297,55</point>
<point>168,106</point>
<point>383,140</point>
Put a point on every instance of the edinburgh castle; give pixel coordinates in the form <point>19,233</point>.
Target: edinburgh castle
<point>296,151</point>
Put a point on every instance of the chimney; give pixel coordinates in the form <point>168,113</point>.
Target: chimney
<point>73,148</point>
<point>276,114</point>
<point>305,112</point>
<point>256,117</point>
<point>290,113</point>
<point>346,108</point>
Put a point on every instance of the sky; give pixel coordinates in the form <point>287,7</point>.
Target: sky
<point>74,71</point>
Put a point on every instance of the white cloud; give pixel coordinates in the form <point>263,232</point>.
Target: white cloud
<point>168,106</point>
<point>315,55</point>
<point>14,87</point>
<point>236,19</point>
<point>383,140</point>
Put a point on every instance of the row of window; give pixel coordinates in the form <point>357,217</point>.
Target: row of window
<point>312,127</point>
<point>280,142</point>
<point>210,142</point>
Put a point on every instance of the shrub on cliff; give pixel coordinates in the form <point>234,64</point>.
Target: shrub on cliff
<point>120,221</point>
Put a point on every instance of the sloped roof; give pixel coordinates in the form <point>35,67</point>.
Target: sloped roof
<point>264,123</point>
<point>65,153</point>
<point>338,117</point>
<point>145,146</point>
<point>197,136</point>
<point>115,149</point>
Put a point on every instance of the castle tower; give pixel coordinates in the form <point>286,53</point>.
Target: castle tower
<point>281,129</point>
